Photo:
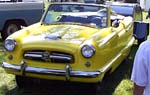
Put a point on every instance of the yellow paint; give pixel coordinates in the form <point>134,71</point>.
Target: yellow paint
<point>111,46</point>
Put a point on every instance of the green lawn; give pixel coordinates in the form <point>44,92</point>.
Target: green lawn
<point>144,17</point>
<point>6,80</point>
<point>118,83</point>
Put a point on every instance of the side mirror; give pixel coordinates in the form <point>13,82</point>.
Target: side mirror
<point>115,23</point>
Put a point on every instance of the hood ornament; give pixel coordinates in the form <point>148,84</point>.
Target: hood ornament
<point>52,37</point>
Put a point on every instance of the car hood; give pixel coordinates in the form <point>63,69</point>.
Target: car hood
<point>59,33</point>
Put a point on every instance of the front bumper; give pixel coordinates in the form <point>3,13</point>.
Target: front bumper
<point>67,72</point>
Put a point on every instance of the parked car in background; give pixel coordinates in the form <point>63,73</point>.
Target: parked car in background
<point>13,15</point>
<point>74,42</point>
<point>2,1</point>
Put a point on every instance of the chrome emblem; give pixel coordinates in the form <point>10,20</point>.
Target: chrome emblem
<point>45,56</point>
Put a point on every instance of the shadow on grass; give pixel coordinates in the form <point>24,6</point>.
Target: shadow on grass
<point>66,88</point>
<point>121,73</point>
<point>1,45</point>
<point>54,88</point>
<point>1,40</point>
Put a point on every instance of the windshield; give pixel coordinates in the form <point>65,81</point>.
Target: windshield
<point>91,15</point>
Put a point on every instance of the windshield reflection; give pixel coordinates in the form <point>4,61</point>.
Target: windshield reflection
<point>76,13</point>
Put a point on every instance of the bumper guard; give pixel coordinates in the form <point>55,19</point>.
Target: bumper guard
<point>23,68</point>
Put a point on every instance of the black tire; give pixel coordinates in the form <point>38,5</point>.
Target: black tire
<point>97,87</point>
<point>23,82</point>
<point>9,28</point>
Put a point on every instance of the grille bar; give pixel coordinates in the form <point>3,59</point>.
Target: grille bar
<point>54,57</point>
<point>33,55</point>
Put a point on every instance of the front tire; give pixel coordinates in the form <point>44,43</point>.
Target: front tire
<point>9,28</point>
<point>98,86</point>
<point>23,82</point>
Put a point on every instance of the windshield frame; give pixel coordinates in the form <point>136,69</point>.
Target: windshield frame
<point>80,4</point>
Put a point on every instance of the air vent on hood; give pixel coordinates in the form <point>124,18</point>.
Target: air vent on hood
<point>52,37</point>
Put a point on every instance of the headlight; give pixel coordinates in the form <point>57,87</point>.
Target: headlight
<point>87,51</point>
<point>9,44</point>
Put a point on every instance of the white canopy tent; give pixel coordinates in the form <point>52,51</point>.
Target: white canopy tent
<point>145,4</point>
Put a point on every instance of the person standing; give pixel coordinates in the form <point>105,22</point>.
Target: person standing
<point>148,15</point>
<point>141,70</point>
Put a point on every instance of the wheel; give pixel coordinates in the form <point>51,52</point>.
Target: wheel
<point>95,88</point>
<point>23,82</point>
<point>98,87</point>
<point>10,28</point>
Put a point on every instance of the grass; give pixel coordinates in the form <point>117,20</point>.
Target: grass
<point>6,80</point>
<point>144,17</point>
<point>118,82</point>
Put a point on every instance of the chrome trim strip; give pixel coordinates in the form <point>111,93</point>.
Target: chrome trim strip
<point>60,57</point>
<point>88,74</point>
<point>10,66</point>
<point>33,55</point>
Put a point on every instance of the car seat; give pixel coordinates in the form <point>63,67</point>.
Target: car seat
<point>97,21</point>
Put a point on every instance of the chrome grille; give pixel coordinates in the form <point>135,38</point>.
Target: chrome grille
<point>46,56</point>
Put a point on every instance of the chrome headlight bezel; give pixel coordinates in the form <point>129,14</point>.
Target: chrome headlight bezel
<point>9,44</point>
<point>87,51</point>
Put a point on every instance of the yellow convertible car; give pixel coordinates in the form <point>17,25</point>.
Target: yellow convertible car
<point>73,42</point>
